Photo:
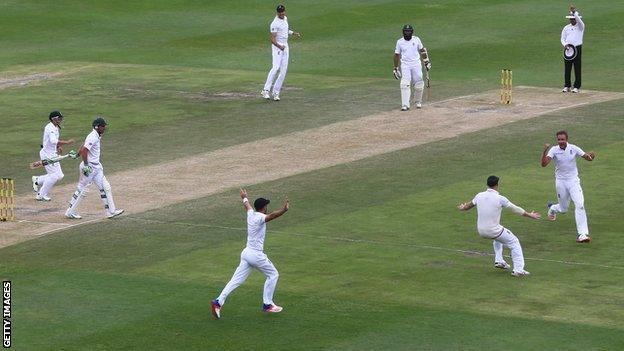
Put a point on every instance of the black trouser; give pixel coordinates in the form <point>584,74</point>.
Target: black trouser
<point>577,69</point>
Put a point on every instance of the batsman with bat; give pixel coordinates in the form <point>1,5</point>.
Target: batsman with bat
<point>409,51</point>
<point>50,149</point>
<point>91,171</point>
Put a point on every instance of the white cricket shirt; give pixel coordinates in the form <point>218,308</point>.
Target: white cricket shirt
<point>565,161</point>
<point>51,136</point>
<point>573,35</point>
<point>280,26</point>
<point>409,51</point>
<point>92,143</point>
<point>256,230</point>
<point>489,206</point>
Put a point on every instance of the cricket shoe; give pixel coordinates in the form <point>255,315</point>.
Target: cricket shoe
<point>502,265</point>
<point>565,90</point>
<point>404,108</point>
<point>276,97</point>
<point>42,198</point>
<point>575,90</point>
<point>552,215</point>
<point>215,306</point>
<point>72,215</point>
<point>114,214</point>
<point>521,273</point>
<point>418,105</point>
<point>265,94</point>
<point>271,308</point>
<point>34,184</point>
<point>583,238</point>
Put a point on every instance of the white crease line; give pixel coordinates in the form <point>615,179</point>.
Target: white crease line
<point>375,242</point>
<point>39,222</point>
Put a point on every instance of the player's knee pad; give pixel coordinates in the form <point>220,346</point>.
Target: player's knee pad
<point>59,176</point>
<point>419,84</point>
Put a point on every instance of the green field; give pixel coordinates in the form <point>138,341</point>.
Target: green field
<point>374,254</point>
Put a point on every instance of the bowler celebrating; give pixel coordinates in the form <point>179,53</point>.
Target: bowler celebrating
<point>279,47</point>
<point>489,206</point>
<point>567,182</point>
<point>253,255</point>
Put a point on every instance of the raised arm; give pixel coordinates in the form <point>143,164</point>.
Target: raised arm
<point>545,158</point>
<point>578,19</point>
<point>271,216</point>
<point>243,195</point>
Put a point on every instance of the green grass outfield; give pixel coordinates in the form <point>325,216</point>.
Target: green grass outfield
<point>373,254</point>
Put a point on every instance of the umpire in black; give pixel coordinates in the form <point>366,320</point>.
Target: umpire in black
<point>572,41</point>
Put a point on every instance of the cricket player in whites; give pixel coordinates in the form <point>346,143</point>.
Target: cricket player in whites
<point>489,205</point>
<point>567,182</point>
<point>91,171</point>
<point>409,50</point>
<point>253,255</point>
<point>279,47</point>
<point>50,148</point>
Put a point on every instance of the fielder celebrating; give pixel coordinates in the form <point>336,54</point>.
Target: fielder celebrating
<point>253,256</point>
<point>489,206</point>
<point>567,182</point>
<point>91,171</point>
<point>409,50</point>
<point>279,47</point>
<point>50,148</point>
<point>572,41</point>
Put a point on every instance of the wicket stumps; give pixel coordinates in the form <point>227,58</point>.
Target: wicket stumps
<point>506,86</point>
<point>7,199</point>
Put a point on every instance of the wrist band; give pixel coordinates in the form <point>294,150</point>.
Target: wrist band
<point>245,200</point>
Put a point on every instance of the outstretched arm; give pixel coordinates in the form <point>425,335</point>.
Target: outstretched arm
<point>465,206</point>
<point>243,195</point>
<point>271,216</point>
<point>545,158</point>
<point>519,210</point>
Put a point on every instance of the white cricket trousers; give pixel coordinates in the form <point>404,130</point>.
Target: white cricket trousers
<point>280,64</point>
<point>97,177</point>
<point>571,189</point>
<point>508,239</point>
<point>411,75</point>
<point>54,174</point>
<point>251,258</point>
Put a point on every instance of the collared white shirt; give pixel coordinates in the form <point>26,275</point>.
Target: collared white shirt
<point>409,51</point>
<point>573,35</point>
<point>565,160</point>
<point>51,136</point>
<point>92,143</point>
<point>256,230</point>
<point>280,26</point>
<point>489,206</point>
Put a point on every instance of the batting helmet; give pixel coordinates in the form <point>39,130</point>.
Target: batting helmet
<point>280,8</point>
<point>99,122</point>
<point>55,114</point>
<point>408,28</point>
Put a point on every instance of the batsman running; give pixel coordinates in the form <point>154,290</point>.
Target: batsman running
<point>253,255</point>
<point>51,146</point>
<point>91,171</point>
<point>409,51</point>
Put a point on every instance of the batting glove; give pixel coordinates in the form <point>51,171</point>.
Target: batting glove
<point>427,64</point>
<point>397,73</point>
<point>73,154</point>
<point>86,170</point>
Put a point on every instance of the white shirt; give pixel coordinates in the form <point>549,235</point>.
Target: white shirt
<point>51,136</point>
<point>256,230</point>
<point>92,143</point>
<point>280,26</point>
<point>489,206</point>
<point>573,35</point>
<point>565,161</point>
<point>409,51</point>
